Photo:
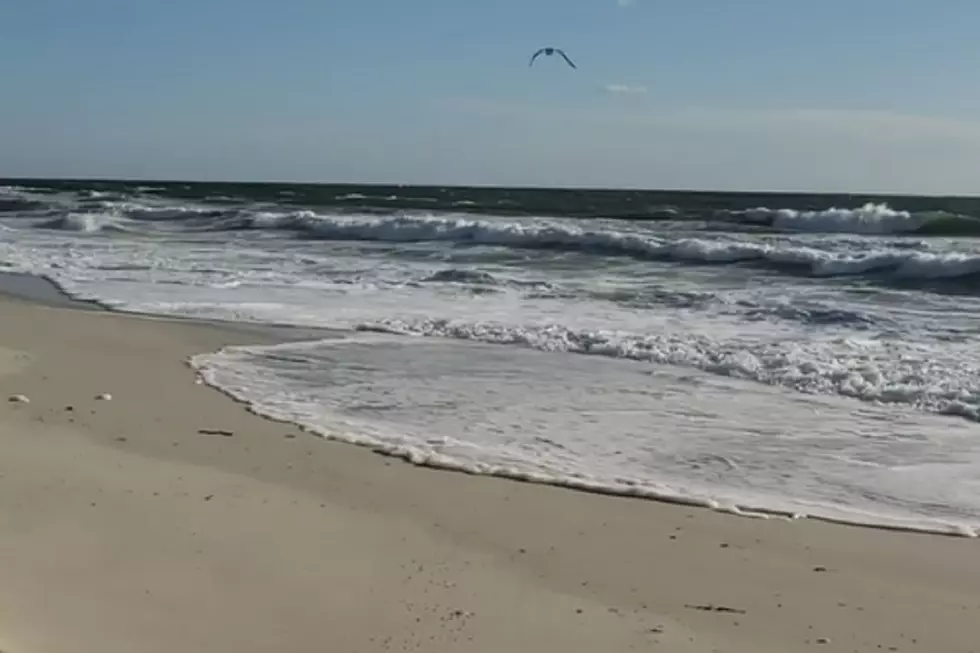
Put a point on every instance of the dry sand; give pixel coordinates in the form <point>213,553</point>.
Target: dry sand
<point>123,529</point>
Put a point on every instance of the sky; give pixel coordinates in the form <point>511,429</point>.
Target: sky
<point>829,95</point>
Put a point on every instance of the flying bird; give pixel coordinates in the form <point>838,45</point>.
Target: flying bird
<point>550,51</point>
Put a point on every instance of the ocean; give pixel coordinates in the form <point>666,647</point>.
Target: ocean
<point>773,355</point>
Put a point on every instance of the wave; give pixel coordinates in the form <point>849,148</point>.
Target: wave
<point>879,372</point>
<point>14,199</point>
<point>100,214</point>
<point>16,205</point>
<point>869,219</point>
<point>158,212</point>
<point>554,235</point>
<point>812,315</point>
<point>83,222</point>
<point>469,276</point>
<point>654,297</point>
<point>894,261</point>
<point>460,275</point>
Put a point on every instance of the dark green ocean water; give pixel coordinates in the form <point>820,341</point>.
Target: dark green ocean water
<point>557,202</point>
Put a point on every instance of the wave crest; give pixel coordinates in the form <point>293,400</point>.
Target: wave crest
<point>83,222</point>
<point>553,235</point>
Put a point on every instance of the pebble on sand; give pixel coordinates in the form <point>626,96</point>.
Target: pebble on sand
<point>18,399</point>
<point>105,396</point>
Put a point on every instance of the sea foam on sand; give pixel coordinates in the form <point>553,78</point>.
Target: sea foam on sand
<point>612,426</point>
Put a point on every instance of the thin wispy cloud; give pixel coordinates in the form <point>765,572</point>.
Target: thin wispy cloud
<point>625,3</point>
<point>666,144</point>
<point>625,89</point>
<point>866,125</point>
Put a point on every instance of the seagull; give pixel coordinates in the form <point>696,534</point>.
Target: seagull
<point>549,52</point>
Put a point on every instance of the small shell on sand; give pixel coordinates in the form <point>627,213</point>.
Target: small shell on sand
<point>18,399</point>
<point>105,396</point>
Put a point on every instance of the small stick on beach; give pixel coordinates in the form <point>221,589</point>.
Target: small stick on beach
<point>227,434</point>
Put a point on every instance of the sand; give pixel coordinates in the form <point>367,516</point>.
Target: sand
<point>125,529</point>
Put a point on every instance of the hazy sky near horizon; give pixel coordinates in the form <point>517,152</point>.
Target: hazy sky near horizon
<point>836,95</point>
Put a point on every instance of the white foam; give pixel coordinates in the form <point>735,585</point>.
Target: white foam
<point>85,222</point>
<point>617,428</point>
<point>873,370</point>
<point>870,218</point>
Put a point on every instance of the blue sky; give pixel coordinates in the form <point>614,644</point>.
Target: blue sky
<point>851,95</point>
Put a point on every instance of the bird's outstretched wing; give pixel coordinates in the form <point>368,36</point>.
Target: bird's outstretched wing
<point>565,57</point>
<point>535,56</point>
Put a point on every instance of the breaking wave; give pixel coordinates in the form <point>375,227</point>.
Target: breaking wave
<point>559,235</point>
<point>869,219</point>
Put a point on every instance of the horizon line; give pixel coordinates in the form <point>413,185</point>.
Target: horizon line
<point>484,186</point>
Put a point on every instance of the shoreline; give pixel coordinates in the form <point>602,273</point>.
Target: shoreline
<point>35,289</point>
<point>41,290</point>
<point>274,539</point>
<point>32,288</point>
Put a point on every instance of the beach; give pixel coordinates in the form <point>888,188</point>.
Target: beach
<point>778,354</point>
<point>168,517</point>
